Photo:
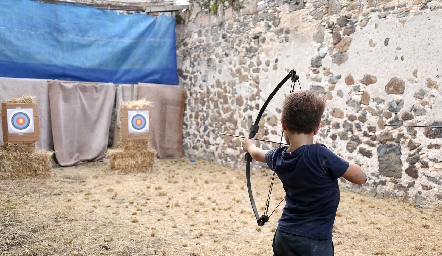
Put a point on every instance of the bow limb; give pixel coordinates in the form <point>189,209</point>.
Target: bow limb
<point>255,127</point>
<point>249,187</point>
<point>253,131</point>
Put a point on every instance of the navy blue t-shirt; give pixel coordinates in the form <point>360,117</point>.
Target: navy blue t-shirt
<point>309,177</point>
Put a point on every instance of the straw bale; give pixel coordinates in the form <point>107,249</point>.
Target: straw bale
<point>21,160</point>
<point>134,144</point>
<point>137,104</point>
<point>27,148</point>
<point>23,99</point>
<point>133,155</point>
<point>143,103</point>
<point>126,161</point>
<point>20,164</point>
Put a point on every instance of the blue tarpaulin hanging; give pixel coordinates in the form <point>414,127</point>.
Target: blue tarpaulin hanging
<point>81,43</point>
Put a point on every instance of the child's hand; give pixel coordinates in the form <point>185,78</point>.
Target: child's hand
<point>247,143</point>
<point>257,153</point>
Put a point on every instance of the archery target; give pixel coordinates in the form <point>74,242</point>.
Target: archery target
<point>138,121</point>
<point>20,121</point>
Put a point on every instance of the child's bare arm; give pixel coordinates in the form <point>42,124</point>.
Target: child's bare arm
<point>355,174</point>
<point>250,147</point>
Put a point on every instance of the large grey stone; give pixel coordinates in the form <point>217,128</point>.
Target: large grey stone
<point>389,159</point>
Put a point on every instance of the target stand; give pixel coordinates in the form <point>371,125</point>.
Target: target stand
<point>20,123</point>
<point>135,124</point>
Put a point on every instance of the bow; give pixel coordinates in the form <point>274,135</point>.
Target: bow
<point>261,220</point>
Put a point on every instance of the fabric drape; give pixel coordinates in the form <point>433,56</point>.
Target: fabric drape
<point>80,116</point>
<point>167,117</point>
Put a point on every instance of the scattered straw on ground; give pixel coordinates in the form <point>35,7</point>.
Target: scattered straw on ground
<point>186,208</point>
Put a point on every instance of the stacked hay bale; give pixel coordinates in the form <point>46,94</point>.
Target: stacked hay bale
<point>22,160</point>
<point>132,155</point>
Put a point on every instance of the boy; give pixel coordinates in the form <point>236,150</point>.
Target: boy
<point>309,174</point>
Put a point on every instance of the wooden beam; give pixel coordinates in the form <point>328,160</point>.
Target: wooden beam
<point>125,6</point>
<point>166,8</point>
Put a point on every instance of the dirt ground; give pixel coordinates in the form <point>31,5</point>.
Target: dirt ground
<point>186,208</point>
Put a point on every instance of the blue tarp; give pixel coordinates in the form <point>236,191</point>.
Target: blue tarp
<point>81,43</point>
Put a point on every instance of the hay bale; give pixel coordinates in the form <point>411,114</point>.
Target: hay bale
<point>126,142</point>
<point>143,103</point>
<point>27,148</point>
<point>21,160</point>
<point>125,161</point>
<point>15,163</point>
<point>134,145</point>
<point>23,99</point>
<point>132,155</point>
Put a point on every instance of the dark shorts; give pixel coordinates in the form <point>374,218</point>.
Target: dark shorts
<point>285,244</point>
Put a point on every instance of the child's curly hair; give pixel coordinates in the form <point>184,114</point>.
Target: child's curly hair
<point>302,111</point>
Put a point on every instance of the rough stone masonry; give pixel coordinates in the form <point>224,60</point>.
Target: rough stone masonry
<point>376,62</point>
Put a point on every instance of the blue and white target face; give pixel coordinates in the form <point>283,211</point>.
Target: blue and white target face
<point>20,121</point>
<point>138,121</point>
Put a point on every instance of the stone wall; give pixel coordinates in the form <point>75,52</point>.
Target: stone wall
<point>376,62</point>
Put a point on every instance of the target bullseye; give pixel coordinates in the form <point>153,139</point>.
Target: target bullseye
<point>138,121</point>
<point>20,121</point>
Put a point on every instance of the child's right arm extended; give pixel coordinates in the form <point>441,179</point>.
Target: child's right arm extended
<point>250,147</point>
<point>355,174</point>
